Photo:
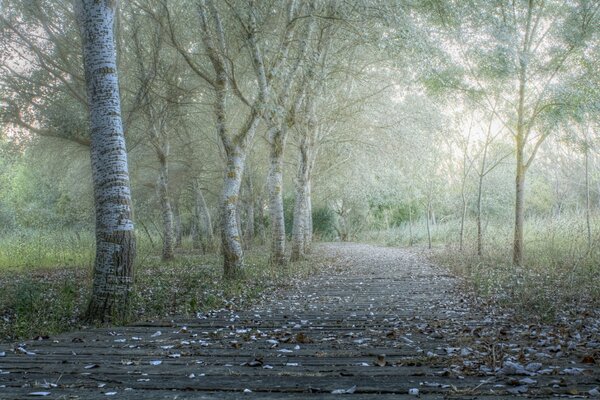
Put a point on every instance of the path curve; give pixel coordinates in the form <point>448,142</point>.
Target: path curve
<point>374,323</point>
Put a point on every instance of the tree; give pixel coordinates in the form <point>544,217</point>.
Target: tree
<point>115,239</point>
<point>228,53</point>
<point>280,119</point>
<point>523,53</point>
<point>161,99</point>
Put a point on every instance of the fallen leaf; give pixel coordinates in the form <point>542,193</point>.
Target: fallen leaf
<point>344,391</point>
<point>257,362</point>
<point>380,361</point>
<point>302,338</point>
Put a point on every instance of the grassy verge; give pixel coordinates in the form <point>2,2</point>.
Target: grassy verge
<point>46,300</point>
<point>559,275</point>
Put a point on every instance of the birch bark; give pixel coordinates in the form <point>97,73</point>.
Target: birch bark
<point>275,188</point>
<point>203,229</point>
<point>115,239</point>
<point>168,252</point>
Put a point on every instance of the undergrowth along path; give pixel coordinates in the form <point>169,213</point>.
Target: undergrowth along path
<point>375,323</point>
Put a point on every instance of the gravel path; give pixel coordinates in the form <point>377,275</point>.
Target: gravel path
<point>375,323</point>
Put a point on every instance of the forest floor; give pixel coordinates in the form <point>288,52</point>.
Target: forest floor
<point>375,322</point>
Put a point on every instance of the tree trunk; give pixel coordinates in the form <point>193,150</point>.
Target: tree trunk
<point>308,228</point>
<point>275,189</point>
<point>260,221</point>
<point>478,218</point>
<point>587,198</point>
<point>202,221</point>
<point>520,141</point>
<point>463,215</point>
<point>519,211</point>
<point>115,239</point>
<point>298,227</point>
<point>300,205</point>
<point>178,228</point>
<point>233,255</point>
<point>249,228</point>
<point>167,211</point>
<point>428,216</point>
<point>410,223</point>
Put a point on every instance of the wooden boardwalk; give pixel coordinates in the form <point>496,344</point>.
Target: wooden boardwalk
<point>379,323</point>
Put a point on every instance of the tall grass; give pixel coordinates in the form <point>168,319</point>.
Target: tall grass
<point>26,249</point>
<point>559,274</point>
<point>45,281</point>
<point>46,249</point>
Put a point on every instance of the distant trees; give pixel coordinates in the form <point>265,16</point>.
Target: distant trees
<point>115,239</point>
<point>517,60</point>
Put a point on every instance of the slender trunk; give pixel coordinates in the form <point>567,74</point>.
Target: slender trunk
<point>197,225</point>
<point>428,216</point>
<point>233,255</point>
<point>519,212</point>
<point>238,217</point>
<point>249,231</point>
<point>202,220</point>
<point>479,229</point>
<point>520,141</point>
<point>260,221</point>
<point>115,240</point>
<point>519,185</point>
<point>463,215</point>
<point>298,227</point>
<point>308,228</point>
<point>178,228</point>
<point>195,233</point>
<point>275,189</point>
<point>300,205</point>
<point>167,211</point>
<point>587,199</point>
<point>410,223</point>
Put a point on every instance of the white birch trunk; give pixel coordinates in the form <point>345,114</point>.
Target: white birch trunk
<point>115,239</point>
<point>300,206</point>
<point>249,231</point>
<point>230,234</point>
<point>275,189</point>
<point>202,235</point>
<point>168,252</point>
<point>308,226</point>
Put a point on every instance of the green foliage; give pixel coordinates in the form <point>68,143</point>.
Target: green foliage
<point>389,213</point>
<point>324,222</point>
<point>407,234</point>
<point>41,193</point>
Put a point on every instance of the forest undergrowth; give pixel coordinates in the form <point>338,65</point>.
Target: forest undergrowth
<point>558,278</point>
<point>46,286</point>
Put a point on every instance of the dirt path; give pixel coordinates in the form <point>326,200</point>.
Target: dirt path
<point>377,323</point>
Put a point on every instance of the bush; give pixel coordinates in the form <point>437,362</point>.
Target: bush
<point>324,222</point>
